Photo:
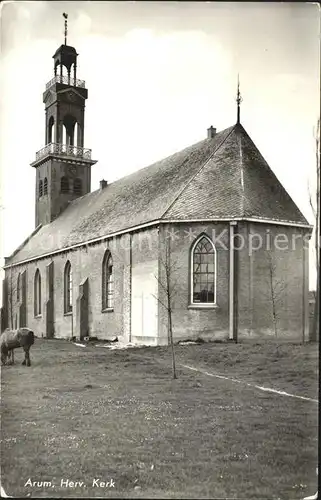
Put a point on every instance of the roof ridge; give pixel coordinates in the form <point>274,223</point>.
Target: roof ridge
<point>199,170</point>
<point>239,140</point>
<point>96,191</point>
<point>156,162</point>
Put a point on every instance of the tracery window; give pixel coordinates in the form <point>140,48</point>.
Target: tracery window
<point>203,271</point>
<point>37,293</point>
<point>107,282</point>
<point>68,288</point>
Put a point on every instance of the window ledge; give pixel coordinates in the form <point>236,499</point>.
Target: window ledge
<point>69,313</point>
<point>107,310</point>
<point>38,316</point>
<point>203,306</point>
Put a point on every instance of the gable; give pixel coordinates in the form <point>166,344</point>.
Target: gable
<point>71,94</point>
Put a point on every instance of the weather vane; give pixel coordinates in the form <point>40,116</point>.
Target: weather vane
<point>66,26</point>
<point>238,99</point>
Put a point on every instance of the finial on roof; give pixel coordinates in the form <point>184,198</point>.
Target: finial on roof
<point>238,100</point>
<point>66,26</point>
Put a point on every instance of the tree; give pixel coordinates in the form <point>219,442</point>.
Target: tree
<point>276,288</point>
<point>167,280</point>
<point>314,199</point>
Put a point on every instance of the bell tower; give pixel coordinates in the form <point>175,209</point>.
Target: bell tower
<point>63,165</point>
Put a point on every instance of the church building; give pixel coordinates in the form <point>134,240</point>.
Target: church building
<point>210,227</point>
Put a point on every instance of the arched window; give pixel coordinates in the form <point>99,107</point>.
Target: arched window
<point>51,129</point>
<point>77,186</point>
<point>40,189</point>
<point>107,282</point>
<point>64,70</point>
<point>64,137</point>
<point>203,271</point>
<point>64,185</point>
<point>18,287</point>
<point>73,72</point>
<point>68,288</point>
<point>61,72</point>
<point>76,133</point>
<point>45,186</point>
<point>69,130</point>
<point>37,293</point>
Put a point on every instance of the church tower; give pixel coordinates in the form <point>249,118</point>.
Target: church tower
<point>63,166</point>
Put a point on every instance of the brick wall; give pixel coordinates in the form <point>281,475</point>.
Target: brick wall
<point>289,286</point>
<point>86,262</point>
<point>16,307</point>
<point>191,322</point>
<point>135,257</point>
<point>50,205</point>
<point>4,309</point>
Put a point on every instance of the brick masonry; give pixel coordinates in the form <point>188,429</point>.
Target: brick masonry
<point>289,265</point>
<point>50,205</point>
<point>138,262</point>
<point>191,322</point>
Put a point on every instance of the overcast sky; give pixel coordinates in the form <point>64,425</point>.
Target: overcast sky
<point>158,75</point>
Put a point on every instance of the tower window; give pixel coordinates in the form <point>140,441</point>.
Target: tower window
<point>68,288</point>
<point>76,134</point>
<point>77,186</point>
<point>69,123</point>
<point>40,188</point>
<point>64,185</point>
<point>45,186</point>
<point>37,293</point>
<point>51,129</point>
<point>107,282</point>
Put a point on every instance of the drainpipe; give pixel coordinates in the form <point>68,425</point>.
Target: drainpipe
<point>72,324</point>
<point>232,284</point>
<point>11,300</point>
<point>305,293</point>
<point>142,314</point>
<point>130,286</point>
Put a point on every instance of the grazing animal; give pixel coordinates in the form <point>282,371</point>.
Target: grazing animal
<point>12,339</point>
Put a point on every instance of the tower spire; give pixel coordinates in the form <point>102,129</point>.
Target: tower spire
<point>238,99</point>
<point>66,26</point>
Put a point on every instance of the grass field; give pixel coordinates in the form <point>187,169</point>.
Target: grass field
<point>81,414</point>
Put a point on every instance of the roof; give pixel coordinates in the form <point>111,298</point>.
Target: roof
<point>65,49</point>
<point>220,177</point>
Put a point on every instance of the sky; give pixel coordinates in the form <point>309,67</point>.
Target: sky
<point>158,75</point>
